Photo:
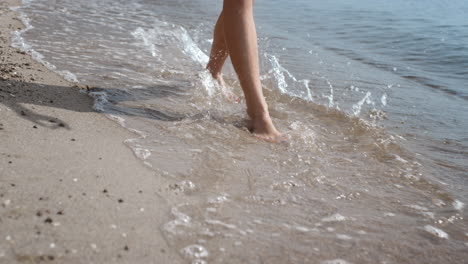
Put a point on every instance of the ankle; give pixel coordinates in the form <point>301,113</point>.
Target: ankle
<point>260,116</point>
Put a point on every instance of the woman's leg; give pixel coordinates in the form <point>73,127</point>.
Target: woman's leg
<point>219,51</point>
<point>240,39</point>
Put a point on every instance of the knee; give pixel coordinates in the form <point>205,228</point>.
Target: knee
<point>238,5</point>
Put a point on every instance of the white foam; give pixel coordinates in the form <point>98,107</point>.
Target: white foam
<point>278,73</point>
<point>400,159</point>
<point>334,218</point>
<point>142,153</point>
<point>308,90</point>
<point>178,35</point>
<point>302,229</point>
<point>458,205</point>
<point>181,220</point>
<point>118,119</point>
<point>343,237</point>
<point>100,100</point>
<point>195,251</point>
<point>436,232</point>
<point>383,99</point>
<point>358,106</point>
<point>417,207</point>
<point>217,222</point>
<point>219,199</point>
<point>335,261</point>
<point>21,44</point>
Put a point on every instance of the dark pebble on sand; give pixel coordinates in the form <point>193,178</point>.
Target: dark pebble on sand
<point>23,113</point>
<point>61,125</point>
<point>60,212</point>
<point>12,185</point>
<point>52,121</point>
<point>104,191</point>
<point>10,162</point>
<point>34,126</point>
<point>51,258</point>
<point>120,200</point>
<point>51,101</point>
<point>126,248</point>
<point>73,139</point>
<point>48,220</point>
<point>39,214</point>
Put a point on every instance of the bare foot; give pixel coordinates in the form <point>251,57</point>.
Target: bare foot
<point>263,128</point>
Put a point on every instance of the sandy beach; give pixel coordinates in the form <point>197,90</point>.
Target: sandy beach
<point>70,190</point>
<point>117,146</point>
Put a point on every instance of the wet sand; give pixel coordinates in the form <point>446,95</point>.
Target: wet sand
<point>70,190</point>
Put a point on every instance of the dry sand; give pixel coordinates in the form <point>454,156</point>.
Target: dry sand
<point>70,190</point>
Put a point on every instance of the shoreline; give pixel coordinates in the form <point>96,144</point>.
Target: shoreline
<point>71,191</point>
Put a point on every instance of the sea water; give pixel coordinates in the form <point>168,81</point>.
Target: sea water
<point>372,94</point>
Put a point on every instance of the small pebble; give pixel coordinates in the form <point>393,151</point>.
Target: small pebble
<point>34,126</point>
<point>120,200</point>
<point>8,238</point>
<point>75,179</point>
<point>48,220</point>
<point>126,248</point>
<point>52,245</point>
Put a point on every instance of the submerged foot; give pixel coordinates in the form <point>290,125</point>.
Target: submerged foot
<point>263,128</point>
